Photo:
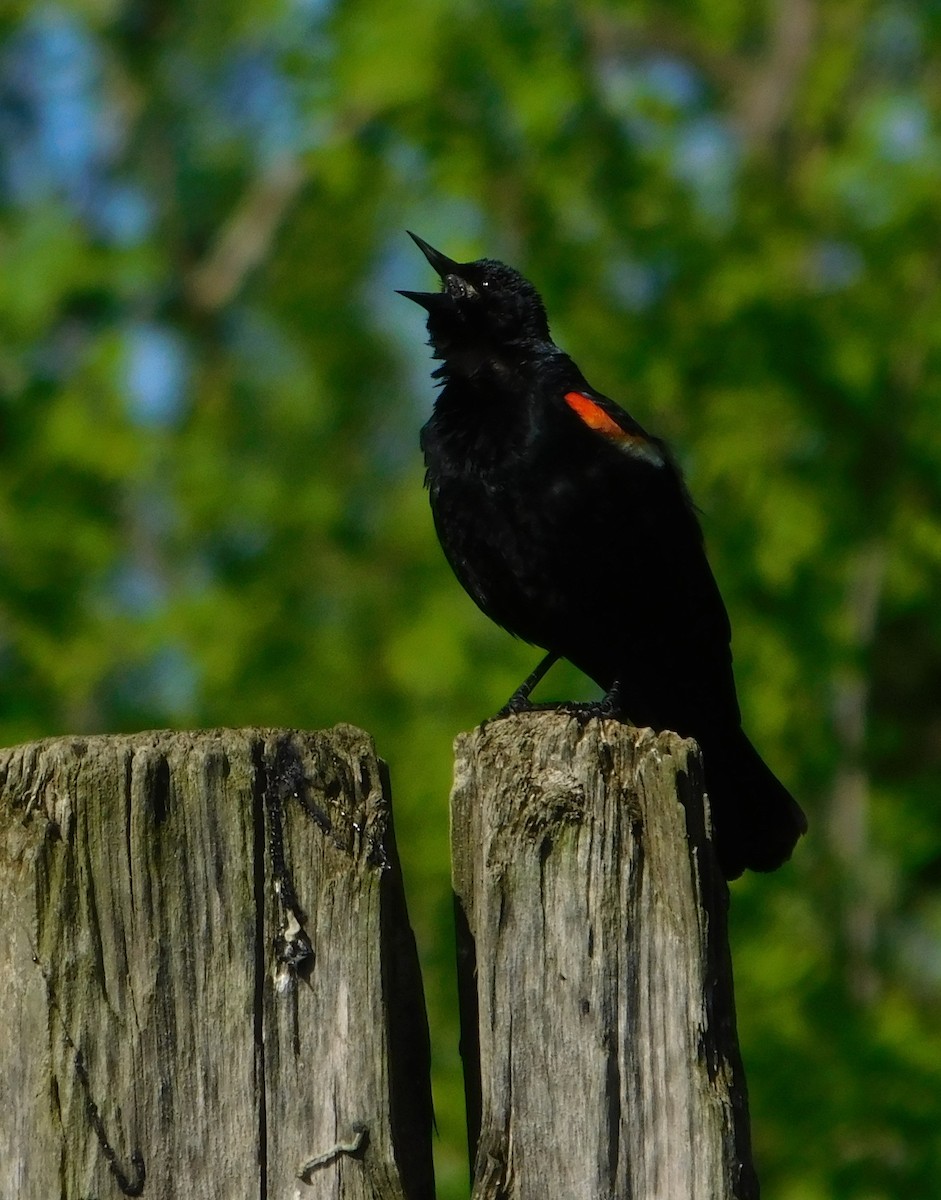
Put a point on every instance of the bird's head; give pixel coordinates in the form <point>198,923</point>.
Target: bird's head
<point>483,308</point>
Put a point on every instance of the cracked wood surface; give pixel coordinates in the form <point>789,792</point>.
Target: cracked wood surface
<point>595,979</point>
<point>210,984</point>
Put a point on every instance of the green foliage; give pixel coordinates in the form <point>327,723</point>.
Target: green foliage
<point>210,496</point>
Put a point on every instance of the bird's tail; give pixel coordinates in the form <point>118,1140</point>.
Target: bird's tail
<point>756,821</point>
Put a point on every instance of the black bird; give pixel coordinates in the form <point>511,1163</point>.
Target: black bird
<point>571,527</point>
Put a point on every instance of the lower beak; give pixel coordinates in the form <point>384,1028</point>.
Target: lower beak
<point>431,301</point>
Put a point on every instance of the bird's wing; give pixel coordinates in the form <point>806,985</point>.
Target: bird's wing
<point>701,620</point>
<point>614,423</point>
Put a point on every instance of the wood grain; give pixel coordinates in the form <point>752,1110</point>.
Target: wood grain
<point>598,1023</point>
<point>158,1040</point>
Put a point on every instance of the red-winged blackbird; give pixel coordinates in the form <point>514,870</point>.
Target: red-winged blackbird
<point>571,527</point>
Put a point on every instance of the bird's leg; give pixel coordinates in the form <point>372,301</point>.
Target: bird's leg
<point>519,701</point>
<point>612,705</point>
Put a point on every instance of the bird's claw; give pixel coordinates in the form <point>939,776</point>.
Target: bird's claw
<point>515,704</point>
<point>520,702</point>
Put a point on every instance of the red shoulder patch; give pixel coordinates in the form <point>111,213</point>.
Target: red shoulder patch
<point>595,417</point>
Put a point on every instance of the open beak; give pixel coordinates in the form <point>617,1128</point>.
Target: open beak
<point>447,268</point>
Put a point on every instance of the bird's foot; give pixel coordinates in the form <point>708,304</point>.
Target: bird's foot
<point>515,704</point>
<point>519,701</point>
<point>510,709</point>
<point>609,708</point>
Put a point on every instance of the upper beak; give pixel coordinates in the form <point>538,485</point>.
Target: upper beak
<point>441,263</point>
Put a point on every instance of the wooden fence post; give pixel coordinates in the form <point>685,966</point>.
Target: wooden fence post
<point>210,987</point>
<point>598,1027</point>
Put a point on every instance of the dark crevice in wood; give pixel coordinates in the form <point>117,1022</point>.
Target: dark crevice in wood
<point>469,1015</point>
<point>128,813</point>
<point>285,779</point>
<point>259,841</point>
<point>159,790</point>
<point>128,1186</point>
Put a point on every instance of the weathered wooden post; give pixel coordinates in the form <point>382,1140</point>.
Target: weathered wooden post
<point>598,1027</point>
<point>210,987</point>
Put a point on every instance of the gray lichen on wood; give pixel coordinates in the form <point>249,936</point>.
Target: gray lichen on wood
<point>595,973</point>
<point>149,1026</point>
